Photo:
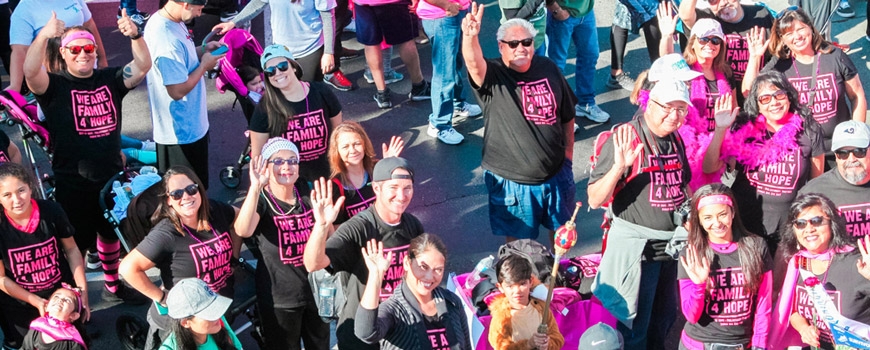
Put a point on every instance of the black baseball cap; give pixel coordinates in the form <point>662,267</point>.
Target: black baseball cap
<point>385,167</point>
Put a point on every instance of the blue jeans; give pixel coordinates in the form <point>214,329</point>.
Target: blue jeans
<point>585,36</point>
<point>448,67</point>
<point>657,296</point>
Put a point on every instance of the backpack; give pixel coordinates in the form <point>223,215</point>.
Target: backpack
<point>541,258</point>
<point>338,281</point>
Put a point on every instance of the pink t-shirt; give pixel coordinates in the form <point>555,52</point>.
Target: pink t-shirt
<point>375,2</point>
<point>425,10</point>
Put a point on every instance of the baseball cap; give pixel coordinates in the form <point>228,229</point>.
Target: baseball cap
<point>850,134</point>
<point>671,66</point>
<point>669,91</point>
<point>193,2</point>
<point>278,144</point>
<point>601,336</point>
<point>707,27</point>
<point>385,167</point>
<point>193,297</point>
<point>276,50</point>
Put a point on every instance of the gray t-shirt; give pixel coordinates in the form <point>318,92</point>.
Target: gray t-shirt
<point>298,25</point>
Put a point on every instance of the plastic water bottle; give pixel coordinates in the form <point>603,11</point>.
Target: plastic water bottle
<point>121,197</point>
<point>327,300</point>
<point>474,278</point>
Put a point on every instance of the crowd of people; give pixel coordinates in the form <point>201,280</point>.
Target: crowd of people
<point>737,194</point>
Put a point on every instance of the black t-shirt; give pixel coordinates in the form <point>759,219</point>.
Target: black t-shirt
<point>853,202</point>
<point>83,118</point>
<point>709,113</point>
<point>343,250</point>
<point>283,233</point>
<point>33,340</point>
<point>309,128</point>
<point>765,194</point>
<point>4,147</point>
<point>829,105</point>
<point>523,116</point>
<point>650,198</point>
<point>729,308</point>
<point>355,199</point>
<point>436,333</point>
<point>735,36</point>
<point>206,256</point>
<point>36,261</point>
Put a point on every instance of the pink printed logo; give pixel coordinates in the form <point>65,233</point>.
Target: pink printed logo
<point>539,104</point>
<point>805,307</point>
<point>824,106</point>
<point>737,54</point>
<point>293,234</point>
<point>665,190</point>
<point>857,218</point>
<point>730,304</point>
<point>355,208</point>
<point>308,131</point>
<point>212,260</point>
<point>438,339</point>
<point>779,178</point>
<point>35,267</point>
<point>94,112</point>
<point>395,272</point>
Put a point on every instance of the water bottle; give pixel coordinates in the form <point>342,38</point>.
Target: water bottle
<point>474,278</point>
<point>327,300</point>
<point>121,197</point>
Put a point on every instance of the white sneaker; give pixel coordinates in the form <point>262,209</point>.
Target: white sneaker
<point>845,9</point>
<point>576,128</point>
<point>591,112</point>
<point>149,145</point>
<point>351,27</point>
<point>449,136</point>
<point>468,110</point>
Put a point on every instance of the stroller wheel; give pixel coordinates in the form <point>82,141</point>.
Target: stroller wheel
<point>132,331</point>
<point>230,177</point>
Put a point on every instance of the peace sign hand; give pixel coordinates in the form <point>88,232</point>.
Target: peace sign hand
<point>373,255</point>
<point>696,265</point>
<point>864,262</point>
<point>472,21</point>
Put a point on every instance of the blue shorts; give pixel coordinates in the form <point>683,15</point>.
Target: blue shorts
<point>393,23</point>
<point>517,209</point>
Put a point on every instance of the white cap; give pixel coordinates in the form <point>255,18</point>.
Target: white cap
<point>850,134</point>
<point>671,66</point>
<point>669,91</point>
<point>707,27</point>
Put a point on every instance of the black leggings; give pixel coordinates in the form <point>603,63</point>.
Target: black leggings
<point>283,328</point>
<point>619,39</point>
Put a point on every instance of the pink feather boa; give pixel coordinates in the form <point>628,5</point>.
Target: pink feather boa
<point>699,97</point>
<point>750,146</point>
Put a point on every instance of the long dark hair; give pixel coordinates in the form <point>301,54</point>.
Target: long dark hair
<point>751,109</point>
<point>184,337</point>
<point>278,109</point>
<point>165,211</point>
<point>840,238</point>
<point>783,23</point>
<point>750,247</point>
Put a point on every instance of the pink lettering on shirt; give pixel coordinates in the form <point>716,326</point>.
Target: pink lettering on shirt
<point>737,54</point>
<point>711,110</point>
<point>212,259</point>
<point>730,303</point>
<point>394,274</point>
<point>824,106</point>
<point>857,218</point>
<point>665,190</point>
<point>94,112</point>
<point>293,233</point>
<point>355,208</point>
<point>779,178</point>
<point>35,267</point>
<point>804,306</point>
<point>438,338</point>
<point>308,131</point>
<point>539,104</point>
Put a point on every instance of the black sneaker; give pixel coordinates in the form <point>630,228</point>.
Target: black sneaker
<point>421,92</point>
<point>93,261</point>
<point>124,294</point>
<point>383,99</point>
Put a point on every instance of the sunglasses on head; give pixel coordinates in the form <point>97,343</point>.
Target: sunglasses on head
<point>75,50</point>
<point>815,221</point>
<point>271,71</point>
<point>191,190</point>
<point>779,95</point>
<point>710,39</point>
<point>514,43</point>
<point>843,154</point>
<point>787,10</point>
<point>281,161</point>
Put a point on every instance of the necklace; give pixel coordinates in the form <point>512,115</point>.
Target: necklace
<point>752,147</point>
<point>212,252</point>
<point>277,208</point>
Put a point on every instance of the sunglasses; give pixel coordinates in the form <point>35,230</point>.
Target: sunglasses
<point>786,11</point>
<point>682,112</point>
<point>779,95</point>
<point>75,50</point>
<point>514,43</point>
<point>843,154</point>
<point>191,190</point>
<point>281,161</point>
<point>815,221</point>
<point>710,39</point>
<point>271,71</point>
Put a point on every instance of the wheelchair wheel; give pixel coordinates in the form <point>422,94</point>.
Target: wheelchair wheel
<point>230,177</point>
<point>132,331</point>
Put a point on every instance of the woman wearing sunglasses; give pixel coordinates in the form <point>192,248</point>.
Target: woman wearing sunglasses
<point>725,276</point>
<point>302,112</point>
<point>800,52</point>
<point>192,238</point>
<point>774,148</point>
<point>820,252</point>
<point>277,209</point>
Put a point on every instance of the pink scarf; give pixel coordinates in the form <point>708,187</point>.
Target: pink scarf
<point>699,97</point>
<point>57,329</point>
<point>32,223</point>
<point>750,146</point>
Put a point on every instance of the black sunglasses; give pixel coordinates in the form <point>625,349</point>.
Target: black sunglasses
<point>281,161</point>
<point>787,10</point>
<point>75,50</point>
<point>270,71</point>
<point>514,43</point>
<point>815,221</point>
<point>843,154</point>
<point>779,95</point>
<point>191,190</point>
<point>710,39</point>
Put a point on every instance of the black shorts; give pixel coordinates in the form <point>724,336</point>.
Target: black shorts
<point>82,207</point>
<point>393,23</point>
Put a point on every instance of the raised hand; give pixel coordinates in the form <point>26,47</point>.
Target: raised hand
<point>623,154</point>
<point>373,255</point>
<point>696,265</point>
<point>864,262</point>
<point>397,144</point>
<point>54,28</point>
<point>756,41</point>
<point>258,171</point>
<point>321,202</point>
<point>667,19</point>
<point>126,25</point>
<point>724,112</point>
<point>472,21</point>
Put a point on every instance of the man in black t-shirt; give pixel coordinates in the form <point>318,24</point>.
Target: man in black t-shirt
<point>528,145</point>
<point>385,221</point>
<point>848,186</point>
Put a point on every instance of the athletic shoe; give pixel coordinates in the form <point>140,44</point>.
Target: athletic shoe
<point>228,16</point>
<point>591,112</point>
<point>867,37</point>
<point>351,27</point>
<point>93,261</point>
<point>421,92</point>
<point>338,81</point>
<point>347,54</point>
<point>449,136</point>
<point>621,81</point>
<point>845,10</point>
<point>124,294</point>
<point>389,78</point>
<point>148,145</point>
<point>576,128</point>
<point>383,99</point>
<point>468,110</point>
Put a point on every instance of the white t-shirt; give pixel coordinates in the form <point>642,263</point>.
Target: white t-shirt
<point>297,25</point>
<point>174,55</point>
<point>31,15</point>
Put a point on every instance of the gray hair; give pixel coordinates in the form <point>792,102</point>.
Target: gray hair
<point>516,22</point>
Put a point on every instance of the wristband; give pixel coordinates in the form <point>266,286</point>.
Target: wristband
<point>162,298</point>
<point>137,36</point>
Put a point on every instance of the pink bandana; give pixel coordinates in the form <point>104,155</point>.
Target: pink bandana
<point>31,225</point>
<point>714,199</point>
<point>79,34</point>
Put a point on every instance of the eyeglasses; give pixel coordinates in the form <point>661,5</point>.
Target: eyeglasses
<point>75,50</point>
<point>668,109</point>
<point>710,39</point>
<point>787,10</point>
<point>815,221</point>
<point>270,71</point>
<point>191,190</point>
<point>843,154</point>
<point>779,95</point>
<point>281,161</point>
<point>514,43</point>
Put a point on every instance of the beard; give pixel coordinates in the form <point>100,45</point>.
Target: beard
<point>728,13</point>
<point>854,172</point>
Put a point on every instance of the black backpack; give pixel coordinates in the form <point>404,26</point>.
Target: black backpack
<point>541,258</point>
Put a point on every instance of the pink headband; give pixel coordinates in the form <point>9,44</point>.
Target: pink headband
<point>714,199</point>
<point>79,34</point>
<point>77,291</point>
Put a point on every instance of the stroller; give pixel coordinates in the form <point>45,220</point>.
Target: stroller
<point>20,110</point>
<point>243,50</point>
